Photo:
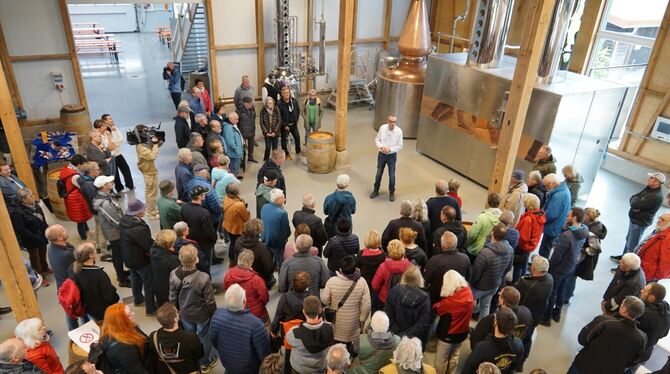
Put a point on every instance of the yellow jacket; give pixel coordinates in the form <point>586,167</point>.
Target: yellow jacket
<point>145,158</point>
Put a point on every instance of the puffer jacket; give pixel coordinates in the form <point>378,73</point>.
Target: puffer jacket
<point>457,229</point>
<point>481,229</point>
<point>566,252</point>
<point>591,250</point>
<point>75,204</point>
<point>355,309</point>
<point>163,261</point>
<point>289,307</point>
<point>340,246</point>
<point>136,242</point>
<point>546,166</point>
<point>262,264</point>
<point>513,200</point>
<point>454,312</point>
<point>628,283</point>
<point>192,293</point>
<point>655,322</point>
<point>535,292</point>
<point>644,205</point>
<point>408,309</point>
<point>530,228</point>
<point>655,256</point>
<point>29,225</point>
<point>493,262</point>
<point>253,285</point>
<point>556,209</point>
<point>269,122</point>
<point>381,283</point>
<point>109,215</point>
<point>247,122</point>
<point>342,201</point>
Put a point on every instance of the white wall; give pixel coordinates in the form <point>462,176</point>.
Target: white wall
<point>33,27</point>
<point>113,17</point>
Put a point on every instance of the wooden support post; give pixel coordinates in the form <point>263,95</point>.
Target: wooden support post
<point>67,27</point>
<point>388,11</point>
<point>355,22</point>
<point>9,71</point>
<point>260,41</point>
<point>525,76</point>
<point>343,71</point>
<point>579,61</point>
<point>214,76</point>
<point>310,36</point>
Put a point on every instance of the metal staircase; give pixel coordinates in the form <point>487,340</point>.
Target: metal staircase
<point>190,38</point>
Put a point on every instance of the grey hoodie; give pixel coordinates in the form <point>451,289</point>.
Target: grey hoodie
<point>109,215</point>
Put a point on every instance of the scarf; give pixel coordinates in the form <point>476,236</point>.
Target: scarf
<point>356,275</point>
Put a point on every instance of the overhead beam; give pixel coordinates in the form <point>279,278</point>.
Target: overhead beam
<point>525,76</point>
<point>9,72</point>
<point>388,11</point>
<point>345,32</point>
<point>212,49</point>
<point>586,37</point>
<point>67,27</point>
<point>260,43</point>
<point>28,58</point>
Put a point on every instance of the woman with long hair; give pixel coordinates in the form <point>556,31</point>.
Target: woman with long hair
<point>40,352</point>
<point>269,120</point>
<point>95,287</point>
<point>124,344</point>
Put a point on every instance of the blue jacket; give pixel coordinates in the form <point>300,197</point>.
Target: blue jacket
<point>566,252</point>
<point>183,175</point>
<point>196,105</point>
<point>241,340</point>
<point>277,230</point>
<point>233,138</point>
<point>333,201</point>
<point>60,258</point>
<point>211,202</point>
<point>556,208</point>
<point>174,81</point>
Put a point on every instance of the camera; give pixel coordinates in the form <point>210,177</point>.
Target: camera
<point>143,134</point>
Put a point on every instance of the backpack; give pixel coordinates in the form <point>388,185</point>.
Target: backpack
<point>96,356</point>
<point>394,280</point>
<point>69,298</point>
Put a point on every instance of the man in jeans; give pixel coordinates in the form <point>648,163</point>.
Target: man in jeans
<point>389,143</point>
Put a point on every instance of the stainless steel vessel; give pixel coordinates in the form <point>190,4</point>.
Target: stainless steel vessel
<point>553,46</point>
<point>489,32</point>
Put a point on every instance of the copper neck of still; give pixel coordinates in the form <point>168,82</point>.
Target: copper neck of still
<point>414,43</point>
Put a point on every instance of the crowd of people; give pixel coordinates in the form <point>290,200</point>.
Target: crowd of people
<point>347,304</point>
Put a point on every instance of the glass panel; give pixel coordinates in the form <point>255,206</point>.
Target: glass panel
<point>635,18</point>
<point>619,61</point>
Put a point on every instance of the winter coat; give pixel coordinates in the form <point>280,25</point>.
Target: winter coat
<point>628,283</point>
<point>458,198</point>
<point>454,312</point>
<point>566,252</point>
<point>262,198</point>
<point>485,327</point>
<point>240,93</point>
<point>546,166</point>
<point>99,156</point>
<point>29,225</point>
<point>163,262</point>
<point>109,215</point>
<point>277,230</point>
<point>247,123</point>
<point>192,293</point>
<point>289,307</point>
<point>269,122</point>
<point>234,141</point>
<point>392,231</point>
<point>356,308</point>
<point>183,174</point>
<point>376,349</point>
<point>262,264</point>
<point>381,283</point>
<point>644,205</point>
<point>126,358</point>
<point>512,237</point>
<point>540,191</point>
<point>490,267</point>
<point>438,265</point>
<point>97,292</point>
<point>556,209</point>
<point>271,165</point>
<point>211,203</point>
<point>181,349</point>
<point>10,186</point>
<point>435,205</point>
<point>655,323</point>
<point>316,228</point>
<point>513,200</point>
<point>235,215</point>
<point>574,185</point>
<point>253,285</point>
<point>241,340</point>
<point>318,115</point>
<point>201,227</point>
<point>655,256</point>
<point>310,344</point>
<point>136,242</point>
<point>457,229</point>
<point>535,292</point>
<point>221,178</point>
<point>146,155</point>
<point>89,191</point>
<point>417,256</point>
<point>61,259</point>
<point>314,266</point>
<point>44,357</point>
<point>611,344</point>
<point>505,352</point>
<point>408,309</point>
<point>289,112</point>
<point>182,132</point>
<point>197,156</point>
<point>530,227</point>
<point>591,250</point>
<point>170,212</point>
<point>75,204</point>
<point>368,261</point>
<point>340,246</point>
<point>339,205</point>
<point>481,229</point>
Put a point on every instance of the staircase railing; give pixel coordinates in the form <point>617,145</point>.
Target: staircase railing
<point>184,23</point>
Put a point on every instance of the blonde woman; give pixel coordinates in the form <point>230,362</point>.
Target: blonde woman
<point>390,271</point>
<point>251,282</point>
<point>269,120</point>
<point>163,261</point>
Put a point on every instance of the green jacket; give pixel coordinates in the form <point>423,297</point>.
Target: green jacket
<point>305,114</point>
<point>481,229</point>
<point>547,166</point>
<point>169,211</point>
<point>376,349</point>
<point>262,198</point>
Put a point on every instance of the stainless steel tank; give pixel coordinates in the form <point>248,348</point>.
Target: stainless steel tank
<point>489,32</point>
<point>553,46</point>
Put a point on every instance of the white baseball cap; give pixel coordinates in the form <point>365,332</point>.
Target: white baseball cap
<point>102,180</point>
<point>659,176</point>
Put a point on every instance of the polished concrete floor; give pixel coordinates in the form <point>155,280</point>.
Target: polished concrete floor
<point>134,93</point>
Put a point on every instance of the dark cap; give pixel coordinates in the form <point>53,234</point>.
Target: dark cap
<point>518,175</point>
<point>270,175</point>
<point>198,190</point>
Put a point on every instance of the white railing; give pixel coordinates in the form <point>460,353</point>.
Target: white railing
<point>185,17</point>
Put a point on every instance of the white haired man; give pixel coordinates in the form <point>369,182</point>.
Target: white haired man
<point>337,359</point>
<point>277,229</point>
<point>304,261</point>
<point>556,207</point>
<point>195,102</point>
<point>377,345</point>
<point>183,173</point>
<point>200,125</point>
<point>239,336</point>
<point>13,357</point>
<point>244,90</point>
<point>389,143</point>
<point>629,280</point>
<point>340,204</point>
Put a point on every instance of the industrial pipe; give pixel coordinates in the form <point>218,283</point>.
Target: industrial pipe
<point>459,18</point>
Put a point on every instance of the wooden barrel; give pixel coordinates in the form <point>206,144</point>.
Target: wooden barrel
<point>75,353</point>
<point>74,118</point>
<point>467,224</point>
<point>320,152</point>
<point>57,203</point>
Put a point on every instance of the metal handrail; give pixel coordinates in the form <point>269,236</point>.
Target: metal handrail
<point>619,67</point>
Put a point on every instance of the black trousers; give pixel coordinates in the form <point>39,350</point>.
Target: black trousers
<point>117,261</point>
<point>176,98</point>
<point>123,168</point>
<point>293,130</point>
<point>250,147</point>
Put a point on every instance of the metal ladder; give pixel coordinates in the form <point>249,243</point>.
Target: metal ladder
<point>359,88</point>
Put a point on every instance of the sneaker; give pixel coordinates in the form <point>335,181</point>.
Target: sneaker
<point>374,194</point>
<point>150,314</point>
<point>556,318</point>
<point>616,258</point>
<point>207,368</point>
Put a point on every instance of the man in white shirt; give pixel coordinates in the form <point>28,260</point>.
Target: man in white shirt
<point>120,161</point>
<point>389,143</point>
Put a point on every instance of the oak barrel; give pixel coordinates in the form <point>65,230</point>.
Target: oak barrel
<point>75,353</point>
<point>57,203</point>
<point>75,118</point>
<point>321,152</point>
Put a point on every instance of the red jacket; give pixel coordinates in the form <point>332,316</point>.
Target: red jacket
<point>458,198</point>
<point>454,312</point>
<point>75,202</point>
<point>655,256</point>
<point>382,279</point>
<point>254,286</point>
<point>530,226</point>
<point>206,101</point>
<point>45,358</point>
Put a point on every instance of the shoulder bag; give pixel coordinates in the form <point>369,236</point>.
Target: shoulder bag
<point>330,314</point>
<point>154,337</point>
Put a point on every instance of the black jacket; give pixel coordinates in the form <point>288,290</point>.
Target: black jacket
<point>435,205</point>
<point>163,261</point>
<point>417,256</point>
<point>181,349</point>
<point>262,264</point>
<point>289,307</point>
<point>623,284</point>
<point>271,165</point>
<point>96,290</point>
<point>392,231</point>
<point>586,268</point>
<point>182,132</point>
<point>136,242</point>
<point>247,122</point>
<point>408,309</point>
<point>485,326</point>
<point>126,359</point>
<point>340,246</point>
<point>438,265</point>
<point>644,205</point>
<point>505,353</point>
<point>289,112</point>
<point>369,265</point>
<point>535,292</point>
<point>655,322</point>
<point>611,344</point>
<point>201,228</point>
<point>540,191</point>
<point>316,227</point>
<point>29,225</point>
<point>457,229</point>
<point>491,265</point>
